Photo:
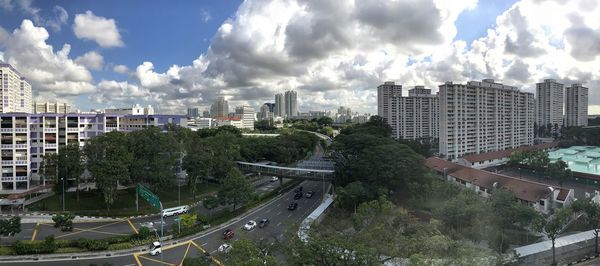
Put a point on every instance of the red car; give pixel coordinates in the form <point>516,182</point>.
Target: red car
<point>228,234</point>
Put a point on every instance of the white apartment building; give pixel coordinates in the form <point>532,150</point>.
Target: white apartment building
<point>133,110</point>
<point>385,93</point>
<point>416,116</point>
<point>15,91</point>
<point>201,123</point>
<point>483,116</point>
<point>246,115</point>
<point>577,106</point>
<point>549,103</point>
<point>26,138</point>
<point>51,107</point>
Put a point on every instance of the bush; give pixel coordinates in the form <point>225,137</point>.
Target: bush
<point>210,202</point>
<point>118,246</point>
<point>69,250</point>
<point>7,251</point>
<point>48,245</point>
<point>92,244</point>
<point>143,233</point>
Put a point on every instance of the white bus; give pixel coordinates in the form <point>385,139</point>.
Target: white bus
<point>175,210</point>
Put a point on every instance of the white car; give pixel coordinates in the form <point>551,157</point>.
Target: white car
<point>155,248</point>
<point>225,248</point>
<point>250,225</point>
<point>274,179</point>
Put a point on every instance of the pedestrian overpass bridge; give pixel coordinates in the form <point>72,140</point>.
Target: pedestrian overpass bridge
<point>287,172</point>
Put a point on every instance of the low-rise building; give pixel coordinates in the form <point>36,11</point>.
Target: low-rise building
<point>51,107</point>
<point>133,110</point>
<point>495,158</point>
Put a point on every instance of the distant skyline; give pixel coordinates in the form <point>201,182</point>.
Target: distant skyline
<point>172,55</point>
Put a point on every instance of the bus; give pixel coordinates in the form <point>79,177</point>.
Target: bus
<point>175,211</point>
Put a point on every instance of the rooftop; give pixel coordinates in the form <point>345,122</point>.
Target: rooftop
<point>494,155</point>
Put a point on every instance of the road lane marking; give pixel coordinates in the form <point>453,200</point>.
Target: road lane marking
<point>215,260</point>
<point>137,260</point>
<point>279,213</point>
<point>158,261</point>
<point>278,224</point>
<point>90,229</point>
<point>132,227</point>
<point>37,225</point>
<point>186,252</point>
<point>204,244</point>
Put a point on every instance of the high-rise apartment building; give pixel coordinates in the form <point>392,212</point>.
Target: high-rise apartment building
<point>220,108</point>
<point>15,91</point>
<point>549,104</point>
<point>577,106</point>
<point>246,115</point>
<point>279,109</point>
<point>51,107</point>
<point>385,92</point>
<point>291,103</point>
<point>416,116</point>
<point>484,116</point>
<point>193,112</point>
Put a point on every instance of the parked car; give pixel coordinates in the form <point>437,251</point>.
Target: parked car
<point>250,225</point>
<point>293,206</point>
<point>298,195</point>
<point>225,248</point>
<point>274,179</point>
<point>309,194</point>
<point>155,248</point>
<point>298,189</point>
<point>228,234</point>
<point>263,223</point>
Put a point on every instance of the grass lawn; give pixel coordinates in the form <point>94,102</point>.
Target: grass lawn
<point>92,203</point>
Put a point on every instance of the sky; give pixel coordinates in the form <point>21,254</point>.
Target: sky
<point>178,54</point>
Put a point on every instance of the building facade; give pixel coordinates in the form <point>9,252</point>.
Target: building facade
<point>385,93</point>
<point>549,103</point>
<point>220,108</point>
<point>416,116</point>
<point>26,138</point>
<point>483,116</point>
<point>246,115</point>
<point>576,114</point>
<point>133,110</point>
<point>265,112</point>
<point>193,112</point>
<point>279,109</point>
<point>291,104</point>
<point>16,91</point>
<point>51,107</point>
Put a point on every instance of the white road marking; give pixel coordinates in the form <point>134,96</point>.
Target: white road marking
<point>290,215</point>
<point>279,213</point>
<point>204,244</point>
<point>278,204</point>
<point>213,251</point>
<point>279,224</point>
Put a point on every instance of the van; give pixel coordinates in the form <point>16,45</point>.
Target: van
<point>175,211</point>
<point>155,248</point>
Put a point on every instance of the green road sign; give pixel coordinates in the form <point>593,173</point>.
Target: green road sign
<point>148,196</point>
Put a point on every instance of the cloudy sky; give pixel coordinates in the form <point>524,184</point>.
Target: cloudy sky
<point>174,54</point>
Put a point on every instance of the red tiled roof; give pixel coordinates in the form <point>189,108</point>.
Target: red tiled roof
<point>562,195</point>
<point>474,158</point>
<point>523,189</point>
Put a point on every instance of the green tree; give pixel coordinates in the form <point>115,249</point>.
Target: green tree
<point>591,212</point>
<point>331,250</point>
<point>109,160</point>
<point>48,170</point>
<point>553,226</point>
<point>11,226</point>
<point>155,155</point>
<point>353,194</point>
<point>70,161</point>
<point>188,219</point>
<point>325,121</point>
<point>560,171</point>
<point>236,189</point>
<point>197,164</point>
<point>245,252</point>
<point>507,213</point>
<point>64,221</point>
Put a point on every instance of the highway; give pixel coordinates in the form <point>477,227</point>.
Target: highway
<point>281,220</point>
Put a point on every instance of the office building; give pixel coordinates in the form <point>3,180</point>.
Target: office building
<point>291,104</point>
<point>576,114</point>
<point>416,116</point>
<point>220,108</point>
<point>483,116</point>
<point>193,112</point>
<point>133,110</point>
<point>549,104</point>
<point>246,115</point>
<point>265,112</point>
<point>26,138</point>
<point>51,107</point>
<point>385,93</point>
<point>206,114</point>
<point>279,109</point>
<point>271,107</point>
<point>196,123</point>
<point>16,91</point>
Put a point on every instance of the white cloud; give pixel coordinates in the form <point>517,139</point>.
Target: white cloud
<point>205,16</point>
<point>53,18</point>
<point>121,69</point>
<point>51,73</point>
<point>103,31</point>
<point>91,60</point>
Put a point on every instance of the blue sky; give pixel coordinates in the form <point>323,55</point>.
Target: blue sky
<point>330,51</point>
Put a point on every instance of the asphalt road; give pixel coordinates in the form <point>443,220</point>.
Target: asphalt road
<point>281,220</point>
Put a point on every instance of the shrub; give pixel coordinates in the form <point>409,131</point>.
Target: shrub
<point>48,245</point>
<point>210,202</point>
<point>118,246</point>
<point>92,244</point>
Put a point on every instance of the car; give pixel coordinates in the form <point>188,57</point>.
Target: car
<point>293,206</point>
<point>155,248</point>
<point>250,225</point>
<point>309,194</point>
<point>263,223</point>
<point>298,195</point>
<point>207,257</point>
<point>274,179</point>
<point>225,248</point>
<point>298,189</point>
<point>228,234</point>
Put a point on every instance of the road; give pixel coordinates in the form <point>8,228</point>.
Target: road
<point>276,211</point>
